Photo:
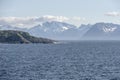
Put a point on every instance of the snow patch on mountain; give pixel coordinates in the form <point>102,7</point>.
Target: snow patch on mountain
<point>109,29</point>
<point>62,30</point>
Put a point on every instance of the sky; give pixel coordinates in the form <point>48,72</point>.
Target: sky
<point>72,11</point>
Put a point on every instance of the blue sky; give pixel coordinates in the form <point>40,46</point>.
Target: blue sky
<point>89,11</point>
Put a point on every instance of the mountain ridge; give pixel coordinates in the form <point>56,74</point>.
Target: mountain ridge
<point>103,31</point>
<point>64,31</point>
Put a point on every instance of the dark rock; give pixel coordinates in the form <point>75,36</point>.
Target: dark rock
<point>10,36</point>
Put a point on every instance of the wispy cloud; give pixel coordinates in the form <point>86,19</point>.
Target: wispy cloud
<point>55,18</point>
<point>32,21</point>
<point>18,21</point>
<point>76,18</point>
<point>114,14</point>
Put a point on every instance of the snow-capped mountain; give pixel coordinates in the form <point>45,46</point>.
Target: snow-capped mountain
<point>55,30</point>
<point>55,26</point>
<point>65,31</point>
<point>84,28</point>
<point>103,31</point>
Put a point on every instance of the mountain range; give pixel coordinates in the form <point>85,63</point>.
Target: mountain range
<point>64,31</point>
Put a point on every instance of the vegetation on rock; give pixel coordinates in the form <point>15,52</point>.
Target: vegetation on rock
<point>11,36</point>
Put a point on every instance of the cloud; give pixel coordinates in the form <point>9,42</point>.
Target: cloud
<point>55,18</point>
<point>18,21</point>
<point>114,14</point>
<point>30,21</point>
<point>76,18</point>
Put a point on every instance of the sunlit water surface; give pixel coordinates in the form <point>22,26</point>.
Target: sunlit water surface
<point>82,60</point>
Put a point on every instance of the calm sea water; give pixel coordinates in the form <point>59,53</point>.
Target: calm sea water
<point>84,60</point>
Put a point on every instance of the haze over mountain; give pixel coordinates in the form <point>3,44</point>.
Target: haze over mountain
<point>103,31</point>
<point>65,31</point>
<point>62,19</point>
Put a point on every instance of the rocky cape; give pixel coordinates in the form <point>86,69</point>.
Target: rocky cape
<point>13,36</point>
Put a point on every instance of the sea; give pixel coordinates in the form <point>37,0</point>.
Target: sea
<point>69,60</point>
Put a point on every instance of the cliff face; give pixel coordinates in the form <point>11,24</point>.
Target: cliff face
<point>10,36</point>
